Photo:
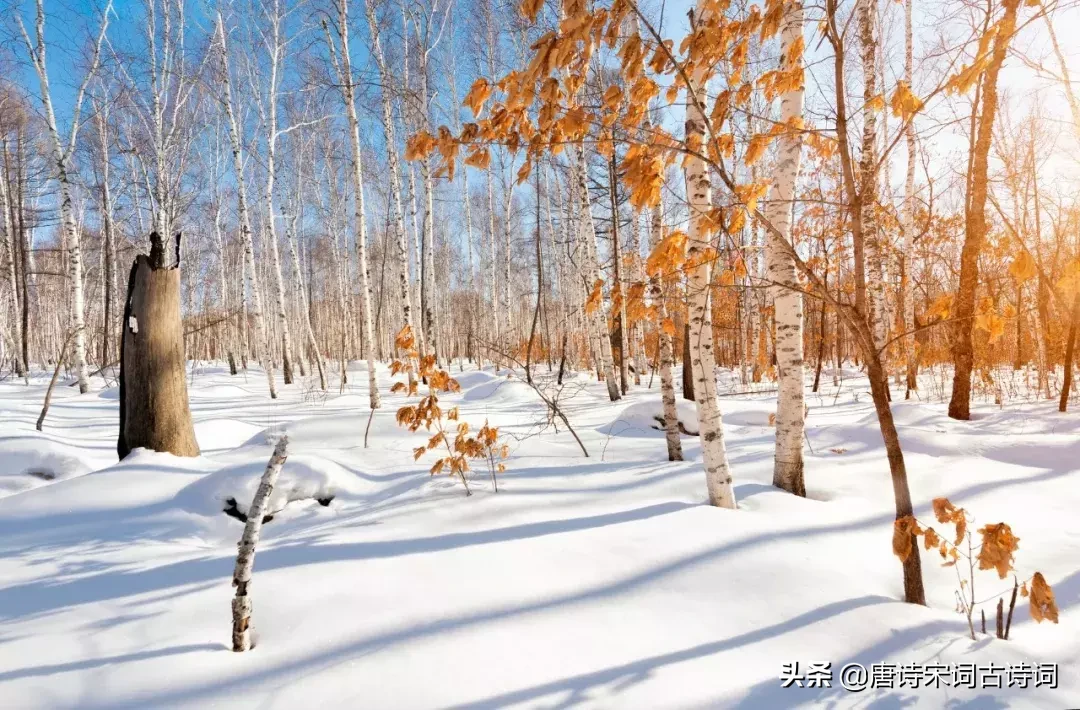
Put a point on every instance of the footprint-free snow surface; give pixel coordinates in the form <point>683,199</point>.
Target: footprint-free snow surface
<point>600,582</point>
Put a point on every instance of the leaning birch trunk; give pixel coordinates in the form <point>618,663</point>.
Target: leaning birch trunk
<point>702,358</point>
<point>494,321</point>
<point>61,156</point>
<point>108,285</point>
<point>907,218</point>
<point>780,265</point>
<point>617,258</point>
<point>599,319</point>
<point>247,240</point>
<point>391,155</point>
<point>427,282</point>
<point>11,248</point>
<point>658,295</point>
<point>345,69</point>
<point>875,282</point>
<point>301,294</point>
<point>154,411</point>
<point>907,302</point>
<point>275,256</point>
<point>508,311</point>
<point>245,560</point>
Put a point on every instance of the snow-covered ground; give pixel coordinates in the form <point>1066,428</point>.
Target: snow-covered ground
<point>585,582</point>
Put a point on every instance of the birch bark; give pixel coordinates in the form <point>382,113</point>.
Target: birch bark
<point>245,560</point>
<point>392,163</point>
<point>592,269</point>
<point>907,303</point>
<point>344,66</point>
<point>658,295</point>
<point>61,155</point>
<point>702,357</point>
<point>246,234</point>
<point>787,297</point>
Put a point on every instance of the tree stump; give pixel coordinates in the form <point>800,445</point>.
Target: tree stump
<point>154,409</point>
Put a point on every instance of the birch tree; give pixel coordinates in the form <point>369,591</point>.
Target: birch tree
<point>246,234</point>
<point>393,167</point>
<point>907,219</point>
<point>343,65</point>
<point>787,296</point>
<point>699,251</point>
<point>61,154</point>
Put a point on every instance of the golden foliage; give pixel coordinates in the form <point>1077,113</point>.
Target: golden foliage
<point>531,8</point>
<point>946,512</point>
<point>904,531</point>
<point>904,104</point>
<point>668,255</point>
<point>931,539</point>
<point>595,297</point>
<point>477,96</point>
<point>1069,283</point>
<point>998,546</point>
<point>419,146</point>
<point>1022,267</point>
<point>1042,601</point>
<point>759,143</point>
<point>941,307</point>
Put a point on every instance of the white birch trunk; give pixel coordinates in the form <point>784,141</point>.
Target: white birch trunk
<point>275,49</point>
<point>875,281</point>
<point>494,337</point>
<point>392,165</point>
<point>246,234</point>
<point>658,295</point>
<point>61,156</point>
<point>790,407</point>
<point>245,559</point>
<point>301,295</point>
<point>907,302</point>
<point>592,268</point>
<point>702,358</point>
<point>360,216</point>
<point>508,311</point>
<point>10,246</point>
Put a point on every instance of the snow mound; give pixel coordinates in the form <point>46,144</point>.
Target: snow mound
<point>222,392</point>
<point>32,461</point>
<point>649,414</point>
<point>844,372</point>
<point>339,431</point>
<point>748,413</point>
<point>471,379</point>
<point>303,477</point>
<point>502,391</point>
<point>217,434</point>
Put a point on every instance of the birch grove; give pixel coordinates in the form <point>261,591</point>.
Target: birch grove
<point>754,200</point>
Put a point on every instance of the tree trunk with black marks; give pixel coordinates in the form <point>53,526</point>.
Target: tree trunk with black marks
<point>153,385</point>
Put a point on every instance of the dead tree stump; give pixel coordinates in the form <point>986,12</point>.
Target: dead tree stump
<point>154,409</point>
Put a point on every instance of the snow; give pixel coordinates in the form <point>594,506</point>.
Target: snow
<point>585,582</point>
<point>31,460</point>
<point>649,414</point>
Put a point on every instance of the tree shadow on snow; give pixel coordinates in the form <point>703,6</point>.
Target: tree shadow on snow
<point>88,664</point>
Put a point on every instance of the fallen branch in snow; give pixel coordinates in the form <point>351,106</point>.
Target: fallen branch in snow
<point>552,403</point>
<point>52,382</point>
<point>245,559</point>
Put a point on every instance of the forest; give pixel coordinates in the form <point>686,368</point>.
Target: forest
<point>581,353</point>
